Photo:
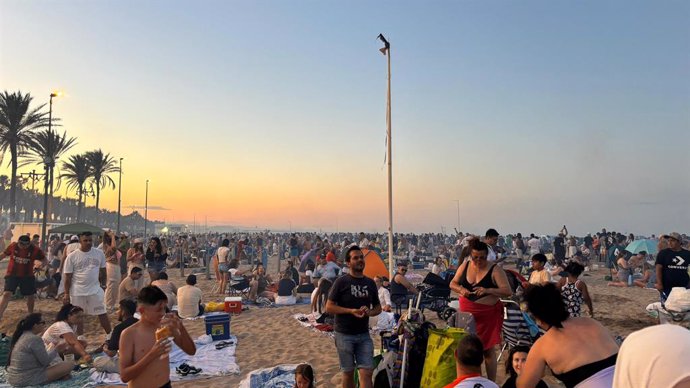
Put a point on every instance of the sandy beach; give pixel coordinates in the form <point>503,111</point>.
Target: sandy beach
<point>270,336</point>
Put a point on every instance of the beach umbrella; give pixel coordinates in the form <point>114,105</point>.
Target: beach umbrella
<point>638,246</point>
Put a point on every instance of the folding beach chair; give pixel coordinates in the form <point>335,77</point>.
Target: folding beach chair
<point>239,286</point>
<point>516,330</point>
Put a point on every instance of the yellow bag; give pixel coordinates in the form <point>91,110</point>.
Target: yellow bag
<point>439,365</point>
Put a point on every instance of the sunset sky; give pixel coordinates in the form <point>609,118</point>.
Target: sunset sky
<point>533,114</point>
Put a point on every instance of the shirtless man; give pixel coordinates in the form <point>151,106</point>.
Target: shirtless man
<point>144,362</point>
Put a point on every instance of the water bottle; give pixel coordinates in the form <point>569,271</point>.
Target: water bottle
<point>630,278</point>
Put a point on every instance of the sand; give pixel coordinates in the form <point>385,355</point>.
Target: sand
<point>270,336</point>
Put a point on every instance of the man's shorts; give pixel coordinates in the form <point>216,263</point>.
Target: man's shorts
<point>26,284</point>
<point>354,351</point>
<point>92,304</point>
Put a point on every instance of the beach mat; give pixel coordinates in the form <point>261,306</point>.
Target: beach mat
<point>213,362</point>
<point>79,379</point>
<point>280,376</point>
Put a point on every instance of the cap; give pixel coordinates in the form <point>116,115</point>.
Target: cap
<point>675,235</point>
<point>74,238</point>
<point>24,238</point>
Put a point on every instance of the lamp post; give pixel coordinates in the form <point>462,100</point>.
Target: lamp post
<point>48,163</point>
<point>386,50</point>
<point>458,202</point>
<point>146,209</point>
<point>119,197</point>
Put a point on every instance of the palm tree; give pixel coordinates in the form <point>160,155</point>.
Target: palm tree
<point>76,170</point>
<point>48,146</point>
<point>17,121</point>
<point>101,165</point>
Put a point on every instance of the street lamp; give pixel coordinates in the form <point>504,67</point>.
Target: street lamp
<point>119,197</point>
<point>458,202</point>
<point>146,209</point>
<point>48,163</point>
<point>386,50</point>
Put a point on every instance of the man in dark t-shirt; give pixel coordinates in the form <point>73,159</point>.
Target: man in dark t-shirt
<point>352,300</point>
<point>126,317</point>
<point>672,265</point>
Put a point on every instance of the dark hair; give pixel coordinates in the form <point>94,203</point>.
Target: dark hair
<point>350,249</point>
<point>234,263</point>
<point>135,270</point>
<point>470,351</point>
<point>85,233</point>
<point>491,233</point>
<point>539,257</point>
<point>129,306</point>
<point>225,243</point>
<point>151,295</point>
<point>159,245</point>
<point>574,268</point>
<point>323,288</point>
<point>546,303</point>
<point>476,245</point>
<point>59,247</point>
<point>510,371</point>
<point>25,324</point>
<point>306,371</point>
<point>66,311</point>
<point>163,275</point>
<point>191,280</point>
<point>106,239</point>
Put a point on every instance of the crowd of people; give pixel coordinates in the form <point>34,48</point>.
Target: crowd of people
<point>93,278</point>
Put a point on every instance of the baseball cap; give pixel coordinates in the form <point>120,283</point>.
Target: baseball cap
<point>24,238</point>
<point>675,235</point>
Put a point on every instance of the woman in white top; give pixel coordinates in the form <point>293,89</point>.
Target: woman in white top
<point>223,254</point>
<point>63,331</point>
<point>439,266</point>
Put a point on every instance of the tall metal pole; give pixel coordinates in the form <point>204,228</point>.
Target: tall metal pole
<point>119,197</point>
<point>146,209</point>
<point>386,50</point>
<point>458,202</point>
<point>47,163</point>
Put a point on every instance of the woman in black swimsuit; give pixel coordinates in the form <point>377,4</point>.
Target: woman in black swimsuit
<point>580,351</point>
<point>480,285</point>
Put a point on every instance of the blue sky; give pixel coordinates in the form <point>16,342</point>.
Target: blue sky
<point>533,114</point>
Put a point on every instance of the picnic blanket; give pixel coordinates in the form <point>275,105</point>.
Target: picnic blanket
<point>213,362</point>
<point>79,379</point>
<point>281,376</point>
<point>308,320</point>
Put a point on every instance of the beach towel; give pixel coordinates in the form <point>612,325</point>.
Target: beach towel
<point>308,320</point>
<point>281,376</point>
<point>489,320</point>
<point>212,362</point>
<point>79,379</point>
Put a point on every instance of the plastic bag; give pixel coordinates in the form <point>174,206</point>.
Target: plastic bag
<point>439,365</point>
<point>678,300</point>
<point>385,322</point>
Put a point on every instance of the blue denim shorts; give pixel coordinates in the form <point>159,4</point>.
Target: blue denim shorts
<point>354,351</point>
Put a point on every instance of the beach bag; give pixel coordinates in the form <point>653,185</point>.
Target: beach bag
<point>439,365</point>
<point>678,300</point>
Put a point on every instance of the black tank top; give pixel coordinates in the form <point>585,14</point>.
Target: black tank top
<point>486,282</point>
<point>574,377</point>
<point>397,289</point>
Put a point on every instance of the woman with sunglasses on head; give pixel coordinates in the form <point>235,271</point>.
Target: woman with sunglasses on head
<point>580,351</point>
<point>481,285</point>
<point>28,361</point>
<point>63,331</point>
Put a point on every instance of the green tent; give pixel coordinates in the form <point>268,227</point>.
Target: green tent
<point>77,228</point>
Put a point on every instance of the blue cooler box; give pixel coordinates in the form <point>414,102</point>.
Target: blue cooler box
<point>218,326</point>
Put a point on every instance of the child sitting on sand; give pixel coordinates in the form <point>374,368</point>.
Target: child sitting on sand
<point>144,360</point>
